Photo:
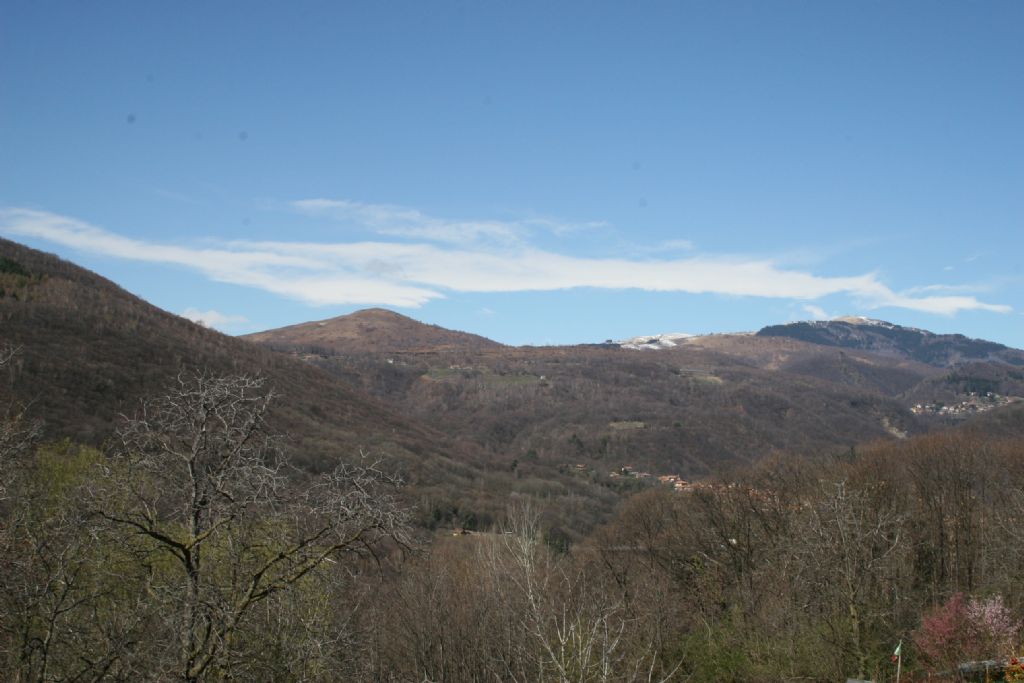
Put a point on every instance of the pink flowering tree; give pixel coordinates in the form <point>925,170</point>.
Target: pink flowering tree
<point>962,630</point>
<point>941,639</point>
<point>995,631</point>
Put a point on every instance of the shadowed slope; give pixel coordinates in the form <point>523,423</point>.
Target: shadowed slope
<point>88,351</point>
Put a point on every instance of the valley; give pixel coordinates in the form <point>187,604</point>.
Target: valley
<point>723,503</point>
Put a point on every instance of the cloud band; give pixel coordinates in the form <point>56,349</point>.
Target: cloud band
<point>409,274</point>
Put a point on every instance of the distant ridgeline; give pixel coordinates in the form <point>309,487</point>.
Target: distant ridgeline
<point>942,350</point>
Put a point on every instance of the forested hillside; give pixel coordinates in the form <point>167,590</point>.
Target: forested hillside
<point>689,409</point>
<point>88,352</point>
<point>170,557</point>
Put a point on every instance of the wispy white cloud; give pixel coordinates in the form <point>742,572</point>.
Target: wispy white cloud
<point>409,274</point>
<point>212,318</point>
<point>677,245</point>
<point>659,249</point>
<point>961,289</point>
<point>307,278</point>
<point>816,312</point>
<point>401,221</point>
<point>942,305</point>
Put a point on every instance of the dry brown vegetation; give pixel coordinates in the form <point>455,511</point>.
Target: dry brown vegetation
<point>711,402</point>
<point>700,409</point>
<point>466,420</point>
<point>372,330</point>
<point>89,352</point>
<point>184,553</point>
<point>187,541</point>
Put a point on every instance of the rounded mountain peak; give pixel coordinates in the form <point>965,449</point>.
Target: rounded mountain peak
<point>371,330</point>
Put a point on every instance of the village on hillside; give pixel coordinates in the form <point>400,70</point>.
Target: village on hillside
<point>976,402</point>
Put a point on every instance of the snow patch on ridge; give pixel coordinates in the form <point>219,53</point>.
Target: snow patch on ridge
<point>667,340</point>
<point>859,320</point>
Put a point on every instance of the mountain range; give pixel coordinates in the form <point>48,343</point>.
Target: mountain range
<point>671,403</point>
<point>470,422</point>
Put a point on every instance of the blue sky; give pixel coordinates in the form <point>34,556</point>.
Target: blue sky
<point>549,172</point>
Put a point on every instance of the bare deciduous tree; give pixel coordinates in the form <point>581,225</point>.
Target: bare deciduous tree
<point>579,633</point>
<point>197,492</point>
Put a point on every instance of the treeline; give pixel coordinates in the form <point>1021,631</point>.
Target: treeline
<point>189,549</point>
<point>794,569</point>
<point>800,569</point>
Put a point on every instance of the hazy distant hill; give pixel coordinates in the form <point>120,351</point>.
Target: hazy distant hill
<point>877,336</point>
<point>373,330</point>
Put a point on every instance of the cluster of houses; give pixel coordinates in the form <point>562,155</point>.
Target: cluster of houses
<point>674,480</point>
<point>976,402</point>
